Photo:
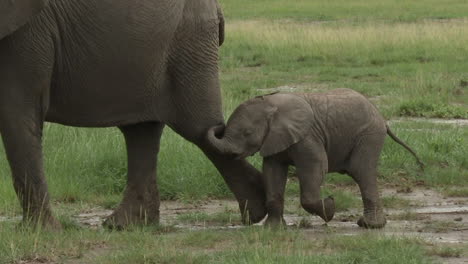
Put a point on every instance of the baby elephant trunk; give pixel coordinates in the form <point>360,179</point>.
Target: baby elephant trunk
<point>221,145</point>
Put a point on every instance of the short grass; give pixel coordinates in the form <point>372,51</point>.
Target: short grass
<point>248,245</point>
<point>355,11</point>
<point>227,217</point>
<point>409,57</point>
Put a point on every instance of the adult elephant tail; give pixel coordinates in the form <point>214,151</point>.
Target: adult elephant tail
<point>397,140</point>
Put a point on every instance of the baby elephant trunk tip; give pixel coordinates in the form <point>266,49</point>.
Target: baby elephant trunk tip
<point>218,142</point>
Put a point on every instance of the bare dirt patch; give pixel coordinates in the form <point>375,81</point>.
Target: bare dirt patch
<point>437,220</point>
<point>430,216</point>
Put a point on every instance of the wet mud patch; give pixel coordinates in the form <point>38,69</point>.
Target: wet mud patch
<point>438,221</point>
<point>429,216</point>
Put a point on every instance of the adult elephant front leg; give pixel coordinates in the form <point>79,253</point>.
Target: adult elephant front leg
<point>140,204</point>
<point>21,134</point>
<point>23,106</point>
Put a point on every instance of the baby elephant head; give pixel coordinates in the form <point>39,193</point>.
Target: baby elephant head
<point>269,124</point>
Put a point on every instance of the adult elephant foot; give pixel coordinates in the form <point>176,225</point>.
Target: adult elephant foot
<point>372,220</point>
<point>253,209</point>
<point>245,182</point>
<point>43,221</point>
<point>275,222</point>
<point>136,209</point>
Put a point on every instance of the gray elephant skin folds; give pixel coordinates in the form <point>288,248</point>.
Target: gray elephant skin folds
<point>135,65</point>
<point>335,131</point>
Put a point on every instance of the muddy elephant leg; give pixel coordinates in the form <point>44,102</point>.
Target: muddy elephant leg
<point>245,182</point>
<point>22,132</point>
<point>243,179</point>
<point>274,180</point>
<point>363,168</point>
<point>140,204</point>
<point>195,106</point>
<point>310,178</point>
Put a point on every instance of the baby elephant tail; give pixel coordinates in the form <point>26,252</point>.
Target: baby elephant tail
<point>397,140</point>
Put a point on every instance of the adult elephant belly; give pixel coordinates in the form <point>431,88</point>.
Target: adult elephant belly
<point>110,64</point>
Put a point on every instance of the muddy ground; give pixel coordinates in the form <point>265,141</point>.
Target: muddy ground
<point>428,215</point>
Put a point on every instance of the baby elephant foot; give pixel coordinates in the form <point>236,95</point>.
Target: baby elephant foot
<point>327,210</point>
<point>324,208</point>
<point>44,221</point>
<point>372,221</point>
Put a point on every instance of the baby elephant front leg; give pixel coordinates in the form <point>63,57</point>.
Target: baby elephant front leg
<point>274,180</point>
<point>310,178</point>
<point>324,208</point>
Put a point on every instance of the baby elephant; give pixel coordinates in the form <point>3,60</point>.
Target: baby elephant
<point>336,131</point>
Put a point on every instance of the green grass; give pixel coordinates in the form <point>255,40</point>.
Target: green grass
<point>409,69</point>
<point>248,245</point>
<point>446,251</point>
<point>456,192</point>
<point>416,68</point>
<point>227,217</point>
<point>409,57</point>
<point>356,10</point>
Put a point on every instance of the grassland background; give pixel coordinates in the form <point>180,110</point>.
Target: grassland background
<point>409,57</point>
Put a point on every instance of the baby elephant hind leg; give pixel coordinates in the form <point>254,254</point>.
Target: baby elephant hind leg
<point>363,169</point>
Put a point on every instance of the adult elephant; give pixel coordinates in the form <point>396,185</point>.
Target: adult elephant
<point>133,64</point>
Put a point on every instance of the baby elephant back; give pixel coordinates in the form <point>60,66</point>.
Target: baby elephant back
<point>347,113</point>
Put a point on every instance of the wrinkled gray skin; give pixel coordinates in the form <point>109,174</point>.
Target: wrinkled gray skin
<point>337,131</point>
<point>137,65</point>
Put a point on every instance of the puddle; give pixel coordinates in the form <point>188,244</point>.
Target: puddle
<point>442,210</point>
<point>10,219</point>
<point>455,122</point>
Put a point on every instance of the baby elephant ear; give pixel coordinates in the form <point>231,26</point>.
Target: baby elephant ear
<point>288,125</point>
<point>15,13</point>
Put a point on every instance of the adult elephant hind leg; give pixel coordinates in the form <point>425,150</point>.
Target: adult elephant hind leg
<point>244,181</point>
<point>195,106</point>
<point>363,169</point>
<point>140,204</point>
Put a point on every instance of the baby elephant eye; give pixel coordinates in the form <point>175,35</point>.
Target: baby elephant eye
<point>248,132</point>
